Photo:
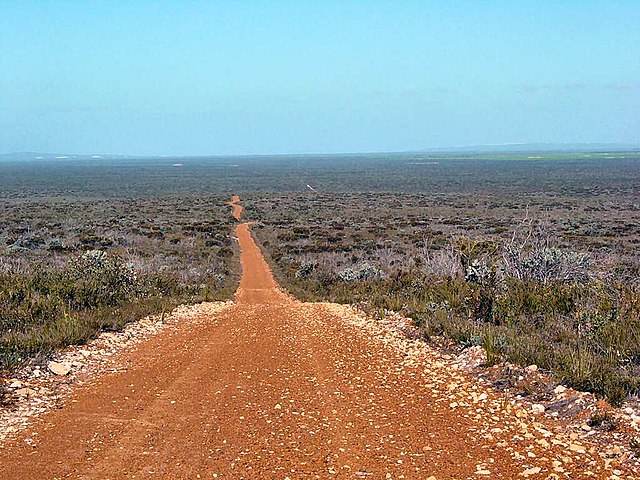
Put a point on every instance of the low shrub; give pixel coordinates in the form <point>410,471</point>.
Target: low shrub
<point>534,304</point>
<point>42,310</point>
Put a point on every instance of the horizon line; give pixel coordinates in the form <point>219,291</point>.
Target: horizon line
<point>443,149</point>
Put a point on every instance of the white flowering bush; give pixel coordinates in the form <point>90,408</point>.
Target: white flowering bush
<point>546,264</point>
<point>102,279</point>
<point>306,269</point>
<point>478,272</point>
<point>360,273</point>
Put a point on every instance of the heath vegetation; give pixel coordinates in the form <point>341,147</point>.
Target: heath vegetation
<point>534,278</point>
<point>532,256</point>
<point>70,268</point>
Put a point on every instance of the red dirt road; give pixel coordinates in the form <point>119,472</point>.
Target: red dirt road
<point>272,388</point>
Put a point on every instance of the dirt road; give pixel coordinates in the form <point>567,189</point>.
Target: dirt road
<point>275,388</point>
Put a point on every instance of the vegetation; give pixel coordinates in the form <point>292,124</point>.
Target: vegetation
<point>72,268</point>
<point>564,176</point>
<point>525,290</point>
<point>532,256</point>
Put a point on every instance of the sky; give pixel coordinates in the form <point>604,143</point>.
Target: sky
<point>256,77</point>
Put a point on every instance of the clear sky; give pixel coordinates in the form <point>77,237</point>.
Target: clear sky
<point>235,77</point>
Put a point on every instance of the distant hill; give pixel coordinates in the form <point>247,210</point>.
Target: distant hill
<point>539,147</point>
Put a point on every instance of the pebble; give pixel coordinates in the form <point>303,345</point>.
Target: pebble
<point>538,408</point>
<point>531,471</point>
<point>59,368</point>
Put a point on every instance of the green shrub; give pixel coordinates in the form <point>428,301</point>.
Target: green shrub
<point>45,309</point>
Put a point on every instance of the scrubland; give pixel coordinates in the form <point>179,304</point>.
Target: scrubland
<point>536,278</point>
<point>71,267</point>
<point>533,257</point>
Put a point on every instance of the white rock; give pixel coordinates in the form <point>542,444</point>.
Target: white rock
<point>559,389</point>
<point>537,408</point>
<point>532,368</point>
<point>59,368</point>
<point>531,471</point>
<point>26,392</point>
<point>577,448</point>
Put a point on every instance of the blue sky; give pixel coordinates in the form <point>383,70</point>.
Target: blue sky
<point>238,77</point>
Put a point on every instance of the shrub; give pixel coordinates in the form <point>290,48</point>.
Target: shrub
<point>528,302</point>
<point>360,273</point>
<point>479,272</point>
<point>100,279</point>
<point>305,269</point>
<point>545,264</point>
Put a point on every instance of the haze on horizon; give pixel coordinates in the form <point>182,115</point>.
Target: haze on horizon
<point>257,77</point>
